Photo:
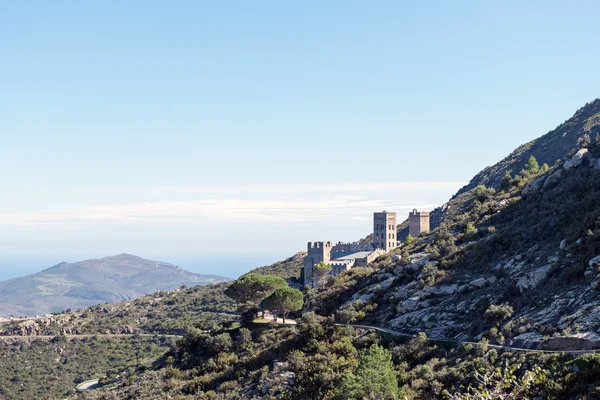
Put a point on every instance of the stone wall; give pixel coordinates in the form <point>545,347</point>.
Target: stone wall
<point>317,252</point>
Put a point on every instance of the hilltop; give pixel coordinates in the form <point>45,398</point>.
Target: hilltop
<point>90,282</point>
<point>550,148</point>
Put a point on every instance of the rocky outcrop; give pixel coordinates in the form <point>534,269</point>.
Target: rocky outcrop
<point>533,278</point>
<point>527,340</point>
<point>417,262</point>
<point>576,160</point>
<point>553,178</point>
<point>581,341</point>
<point>276,384</point>
<point>534,186</point>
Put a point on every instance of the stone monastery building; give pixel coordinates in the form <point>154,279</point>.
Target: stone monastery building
<point>344,256</point>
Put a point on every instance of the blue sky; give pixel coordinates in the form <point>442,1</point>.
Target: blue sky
<point>240,130</point>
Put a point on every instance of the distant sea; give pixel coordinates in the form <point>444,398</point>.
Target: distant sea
<point>227,265</point>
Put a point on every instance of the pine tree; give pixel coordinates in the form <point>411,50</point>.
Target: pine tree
<point>283,301</point>
<point>506,180</point>
<point>320,271</point>
<point>470,230</point>
<point>374,378</point>
<point>532,165</point>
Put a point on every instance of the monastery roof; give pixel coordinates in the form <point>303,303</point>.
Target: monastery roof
<point>353,256</point>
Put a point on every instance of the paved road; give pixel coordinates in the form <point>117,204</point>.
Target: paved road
<point>87,385</point>
<point>459,342</point>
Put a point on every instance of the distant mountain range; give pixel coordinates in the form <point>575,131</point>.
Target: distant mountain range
<point>91,282</point>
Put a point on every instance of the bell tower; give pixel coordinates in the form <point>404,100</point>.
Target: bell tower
<point>384,230</point>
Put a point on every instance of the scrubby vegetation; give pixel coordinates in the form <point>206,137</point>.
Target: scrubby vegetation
<point>51,369</point>
<point>317,360</point>
<point>162,313</point>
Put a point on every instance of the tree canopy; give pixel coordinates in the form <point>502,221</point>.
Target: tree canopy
<point>253,288</point>
<point>374,377</point>
<point>320,271</point>
<point>283,301</point>
<point>532,165</point>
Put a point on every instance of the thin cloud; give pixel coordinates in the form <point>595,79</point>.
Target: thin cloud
<point>319,202</point>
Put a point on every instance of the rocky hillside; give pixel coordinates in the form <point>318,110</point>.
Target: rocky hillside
<point>550,148</point>
<point>91,282</point>
<point>516,265</point>
<point>162,312</point>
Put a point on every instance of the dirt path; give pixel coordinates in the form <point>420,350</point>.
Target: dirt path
<point>86,335</point>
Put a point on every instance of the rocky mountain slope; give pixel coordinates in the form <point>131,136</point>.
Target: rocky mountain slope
<point>91,282</point>
<point>517,265</point>
<point>550,148</point>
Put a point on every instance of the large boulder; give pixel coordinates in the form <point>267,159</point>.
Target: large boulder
<point>594,262</point>
<point>553,178</point>
<point>578,341</point>
<point>445,290</point>
<point>576,160</point>
<point>533,278</point>
<point>527,340</point>
<point>408,305</point>
<point>534,186</point>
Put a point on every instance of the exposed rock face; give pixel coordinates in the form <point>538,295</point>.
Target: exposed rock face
<point>417,262</point>
<point>279,381</point>
<point>478,283</point>
<point>553,178</point>
<point>594,262</point>
<point>409,305</point>
<point>533,278</point>
<point>582,341</point>
<point>534,186</point>
<point>576,160</point>
<point>527,340</point>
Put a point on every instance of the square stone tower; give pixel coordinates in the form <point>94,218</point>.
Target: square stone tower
<point>317,252</point>
<point>418,222</point>
<point>384,230</point>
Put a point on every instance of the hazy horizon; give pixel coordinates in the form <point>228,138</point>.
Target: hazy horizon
<point>196,128</point>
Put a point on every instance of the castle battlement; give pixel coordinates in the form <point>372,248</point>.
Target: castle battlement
<point>415,213</point>
<point>319,245</point>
